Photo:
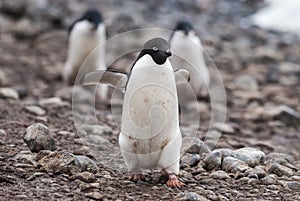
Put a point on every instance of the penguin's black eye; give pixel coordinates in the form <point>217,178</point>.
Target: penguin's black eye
<point>155,49</point>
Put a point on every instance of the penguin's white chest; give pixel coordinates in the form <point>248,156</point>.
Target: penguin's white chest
<point>150,108</point>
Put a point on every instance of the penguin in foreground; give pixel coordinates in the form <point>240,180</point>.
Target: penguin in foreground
<point>186,44</point>
<point>150,135</point>
<point>85,35</point>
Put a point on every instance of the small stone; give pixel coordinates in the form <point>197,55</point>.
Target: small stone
<point>195,159</point>
<point>279,170</point>
<point>198,147</point>
<point>223,127</point>
<point>249,155</point>
<point>85,186</point>
<point>292,185</point>
<point>192,196</point>
<point>246,82</point>
<point>84,176</point>
<point>35,110</point>
<point>94,195</point>
<point>95,129</point>
<point>270,179</point>
<point>220,174</point>
<point>86,164</point>
<point>54,102</point>
<point>2,132</point>
<point>9,93</point>
<point>37,138</point>
<point>234,165</point>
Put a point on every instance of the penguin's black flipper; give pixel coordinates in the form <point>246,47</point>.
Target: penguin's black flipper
<point>110,77</point>
<point>181,76</point>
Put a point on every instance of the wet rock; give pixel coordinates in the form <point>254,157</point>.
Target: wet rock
<point>220,174</point>
<point>279,170</point>
<point>53,102</point>
<point>61,162</point>
<point>234,165</point>
<point>292,185</point>
<point>213,160</point>
<point>195,159</point>
<point>198,147</point>
<point>192,196</point>
<point>37,138</point>
<point>9,93</point>
<point>246,82</point>
<point>84,176</point>
<point>35,110</point>
<point>94,195</point>
<point>269,180</point>
<point>250,156</point>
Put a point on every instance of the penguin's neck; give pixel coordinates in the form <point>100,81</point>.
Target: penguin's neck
<point>147,61</point>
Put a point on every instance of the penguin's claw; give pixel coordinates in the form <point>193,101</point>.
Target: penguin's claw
<point>137,177</point>
<point>173,181</point>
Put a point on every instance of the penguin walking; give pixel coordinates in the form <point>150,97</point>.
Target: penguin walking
<point>188,51</point>
<point>85,34</point>
<point>150,135</point>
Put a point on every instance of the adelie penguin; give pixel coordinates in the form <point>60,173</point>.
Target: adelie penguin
<point>188,54</point>
<point>150,135</point>
<point>85,36</point>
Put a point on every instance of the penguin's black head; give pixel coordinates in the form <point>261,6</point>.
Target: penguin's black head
<point>158,49</point>
<point>184,26</point>
<point>93,16</point>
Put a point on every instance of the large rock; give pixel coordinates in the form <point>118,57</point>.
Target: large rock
<point>234,165</point>
<point>37,138</point>
<point>213,160</point>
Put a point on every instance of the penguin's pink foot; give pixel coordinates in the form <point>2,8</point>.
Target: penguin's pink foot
<point>173,181</point>
<point>137,177</point>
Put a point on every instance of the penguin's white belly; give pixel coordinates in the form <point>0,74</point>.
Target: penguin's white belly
<point>150,115</point>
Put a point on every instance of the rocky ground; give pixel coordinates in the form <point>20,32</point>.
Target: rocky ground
<point>256,158</point>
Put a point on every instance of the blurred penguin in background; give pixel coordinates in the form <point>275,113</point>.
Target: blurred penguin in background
<point>85,35</point>
<point>188,54</point>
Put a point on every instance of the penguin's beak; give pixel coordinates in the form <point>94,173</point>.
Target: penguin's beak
<point>168,53</point>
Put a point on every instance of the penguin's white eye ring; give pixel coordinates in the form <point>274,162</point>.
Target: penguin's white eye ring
<point>155,49</point>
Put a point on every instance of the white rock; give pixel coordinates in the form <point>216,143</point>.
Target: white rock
<point>9,93</point>
<point>54,101</point>
<point>35,110</point>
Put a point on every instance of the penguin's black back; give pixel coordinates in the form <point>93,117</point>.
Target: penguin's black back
<point>92,15</point>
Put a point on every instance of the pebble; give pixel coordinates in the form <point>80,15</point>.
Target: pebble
<point>84,176</point>
<point>53,102</point>
<point>270,179</point>
<point>246,82</point>
<point>292,185</point>
<point>95,129</point>
<point>94,195</point>
<point>37,138</point>
<point>35,110</point>
<point>86,164</point>
<point>220,174</point>
<point>249,155</point>
<point>195,159</point>
<point>9,93</point>
<point>2,132</point>
<point>233,165</point>
<point>279,170</point>
<point>213,160</point>
<point>198,147</point>
<point>87,186</point>
<point>192,196</point>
